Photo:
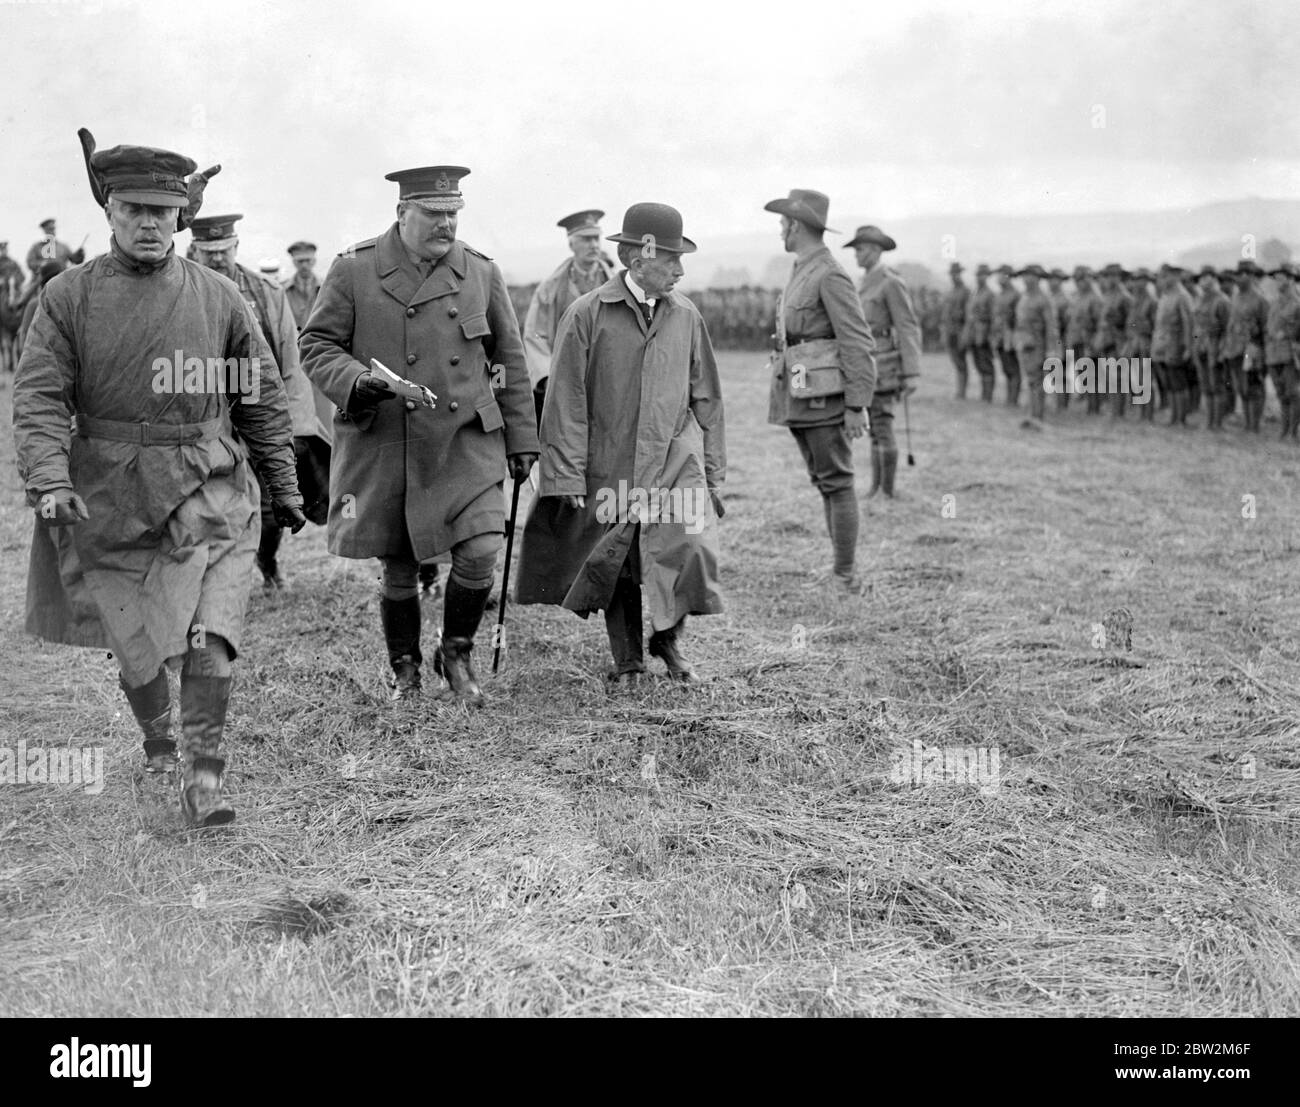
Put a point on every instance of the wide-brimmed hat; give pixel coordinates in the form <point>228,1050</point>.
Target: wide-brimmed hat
<point>956,267</point>
<point>1113,269</point>
<point>1170,267</point>
<point>873,236</point>
<point>1248,266</point>
<point>1141,273</point>
<point>1286,269</point>
<point>806,205</point>
<point>1032,271</point>
<point>1081,271</point>
<point>982,270</point>
<point>655,225</point>
<point>1059,275</point>
<point>1005,270</point>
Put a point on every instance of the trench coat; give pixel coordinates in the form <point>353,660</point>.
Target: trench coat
<point>406,480</point>
<point>173,526</point>
<point>550,301</point>
<point>631,406</point>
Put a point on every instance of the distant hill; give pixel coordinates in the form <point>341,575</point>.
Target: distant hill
<point>1212,231</point>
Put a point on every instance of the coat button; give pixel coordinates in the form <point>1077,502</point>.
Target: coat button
<point>410,405</point>
<point>410,359</point>
<point>455,359</point>
<point>453,406</point>
<point>453,312</point>
<point>410,312</point>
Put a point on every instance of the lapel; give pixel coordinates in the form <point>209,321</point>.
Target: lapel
<point>399,277</point>
<point>616,289</point>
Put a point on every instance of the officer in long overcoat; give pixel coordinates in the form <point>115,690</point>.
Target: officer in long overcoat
<point>408,482</point>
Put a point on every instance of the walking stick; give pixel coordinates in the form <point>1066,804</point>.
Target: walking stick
<point>907,427</point>
<point>505,578</point>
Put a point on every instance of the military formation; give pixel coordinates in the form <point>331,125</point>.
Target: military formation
<point>1211,339</point>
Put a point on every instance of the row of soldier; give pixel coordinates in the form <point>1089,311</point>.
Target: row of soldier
<point>1212,336</point>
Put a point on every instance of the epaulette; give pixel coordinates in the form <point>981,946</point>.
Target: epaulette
<point>476,253</point>
<point>365,244</point>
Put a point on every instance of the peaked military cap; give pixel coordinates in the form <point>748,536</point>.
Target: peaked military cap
<point>301,248</point>
<point>582,222</point>
<point>656,225</point>
<point>873,235</point>
<point>806,205</point>
<point>432,187</point>
<point>215,232</point>
<point>143,175</point>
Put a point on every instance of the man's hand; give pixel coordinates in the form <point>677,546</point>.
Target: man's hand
<point>61,508</point>
<point>719,509</point>
<point>520,466</point>
<point>855,423</point>
<point>368,391</point>
<point>288,515</point>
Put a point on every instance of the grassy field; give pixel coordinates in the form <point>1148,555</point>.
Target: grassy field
<point>739,849</point>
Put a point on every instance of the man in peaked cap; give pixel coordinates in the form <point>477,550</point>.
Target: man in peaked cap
<point>303,287</point>
<point>1003,334</point>
<point>633,455</point>
<point>147,512</point>
<point>410,483</point>
<point>823,372</point>
<point>952,316</point>
<point>584,271</point>
<point>49,248</point>
<point>979,331</point>
<point>887,307</point>
<point>1282,345</point>
<point>1210,316</point>
<point>1036,336</point>
<point>1243,343</point>
<point>216,245</point>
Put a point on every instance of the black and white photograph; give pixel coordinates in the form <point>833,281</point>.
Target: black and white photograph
<point>699,510</point>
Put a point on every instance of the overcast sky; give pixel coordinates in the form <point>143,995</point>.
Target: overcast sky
<point>897,109</point>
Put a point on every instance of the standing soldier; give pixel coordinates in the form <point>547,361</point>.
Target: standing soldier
<point>409,483</point>
<point>1036,335</point>
<point>1056,279</point>
<point>1171,342</point>
<point>1282,344</point>
<point>1084,318</point>
<point>147,515</point>
<point>49,248</point>
<point>1243,343</point>
<point>823,374</point>
<point>1111,334</point>
<point>891,318</point>
<point>978,333</point>
<point>586,270</point>
<point>1141,326</point>
<point>304,286</point>
<point>1003,335</point>
<point>1210,324</point>
<point>633,453</point>
<point>953,318</point>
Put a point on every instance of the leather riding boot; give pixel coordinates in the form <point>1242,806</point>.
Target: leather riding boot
<point>987,383</point>
<point>663,645</point>
<point>204,700</point>
<point>876,452</point>
<point>1013,391</point>
<point>624,626</point>
<point>462,611</point>
<point>151,704</point>
<point>888,470</point>
<point>267,549</point>
<point>401,623</point>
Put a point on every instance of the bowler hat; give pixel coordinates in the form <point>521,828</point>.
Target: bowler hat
<point>655,225</point>
<point>872,235</point>
<point>215,232</point>
<point>432,187</point>
<point>143,175</point>
<point>806,205</point>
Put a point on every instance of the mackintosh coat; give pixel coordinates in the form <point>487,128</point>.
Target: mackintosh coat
<point>173,525</point>
<point>550,301</point>
<point>636,407</point>
<point>887,307</point>
<point>406,479</point>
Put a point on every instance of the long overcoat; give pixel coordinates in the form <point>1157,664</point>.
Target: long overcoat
<point>633,415</point>
<point>403,478</point>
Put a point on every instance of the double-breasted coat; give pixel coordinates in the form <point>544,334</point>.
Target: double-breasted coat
<point>406,480</point>
<point>632,409</point>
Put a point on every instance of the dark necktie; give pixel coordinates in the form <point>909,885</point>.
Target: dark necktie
<point>648,312</point>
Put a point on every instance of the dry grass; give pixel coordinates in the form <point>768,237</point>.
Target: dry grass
<point>740,849</point>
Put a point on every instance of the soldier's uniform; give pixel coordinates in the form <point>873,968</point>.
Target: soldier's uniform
<point>48,248</point>
<point>1081,326</point>
<point>1210,317</point>
<point>1141,326</point>
<point>1243,343</point>
<point>1060,299</point>
<point>952,316</point>
<point>301,292</point>
<point>891,318</point>
<point>821,317</point>
<point>1036,336</point>
<point>978,332</point>
<point>1282,345</point>
<point>1171,343</point>
<point>1110,337</point>
<point>1003,334</point>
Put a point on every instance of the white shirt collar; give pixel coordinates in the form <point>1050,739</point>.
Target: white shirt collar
<point>638,293</point>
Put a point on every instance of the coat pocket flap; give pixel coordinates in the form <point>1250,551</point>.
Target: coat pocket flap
<point>491,416</point>
<point>476,326</point>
